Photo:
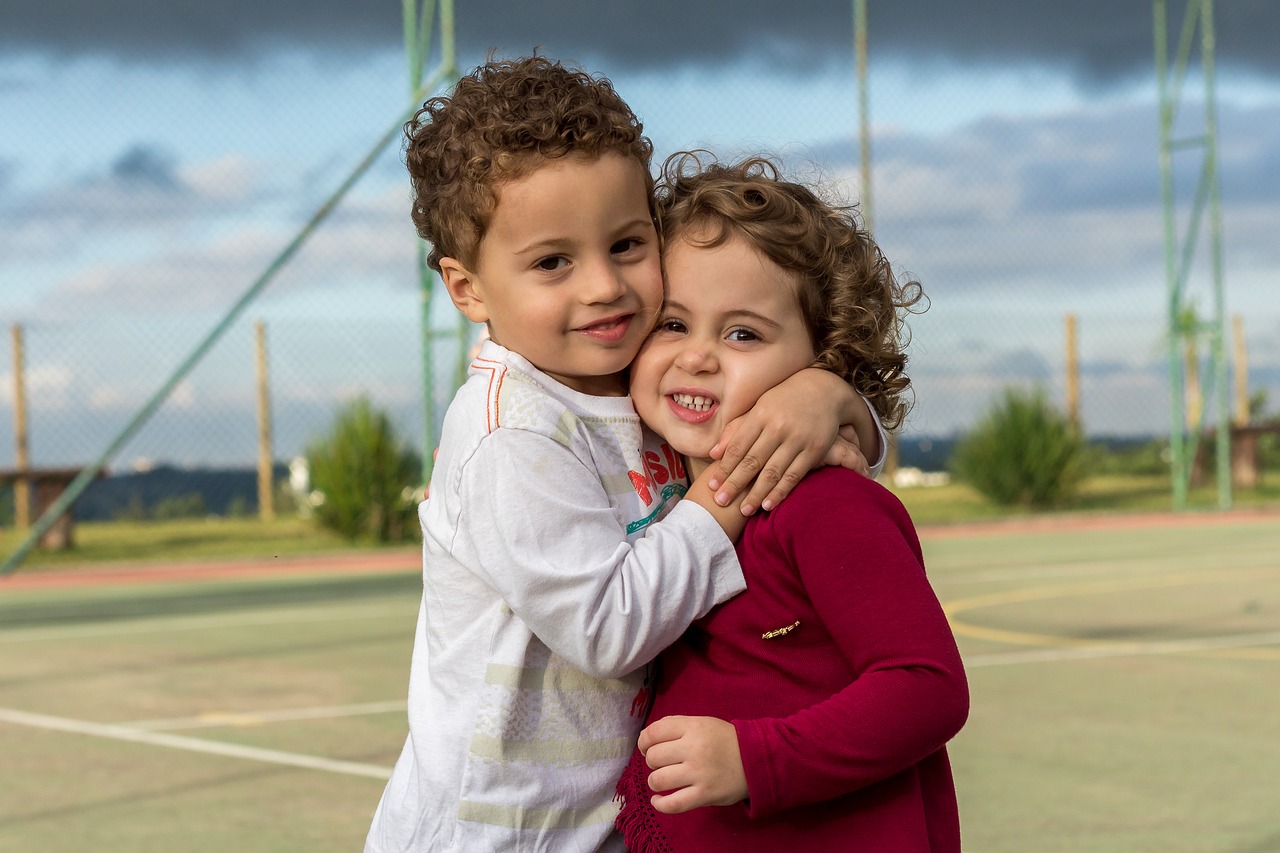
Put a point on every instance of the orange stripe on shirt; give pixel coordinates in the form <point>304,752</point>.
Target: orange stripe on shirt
<point>497,372</point>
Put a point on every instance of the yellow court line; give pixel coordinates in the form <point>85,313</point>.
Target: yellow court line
<point>1027,638</point>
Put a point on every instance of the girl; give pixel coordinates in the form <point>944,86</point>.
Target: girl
<point>812,711</point>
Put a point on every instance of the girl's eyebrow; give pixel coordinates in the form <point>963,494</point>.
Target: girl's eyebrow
<point>735,315</point>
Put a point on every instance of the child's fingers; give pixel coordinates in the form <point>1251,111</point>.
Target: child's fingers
<point>736,448</point>
<point>847,454</point>
<point>669,778</point>
<point>757,467</point>
<point>665,754</point>
<point>675,802</point>
<point>767,496</point>
<point>659,731</point>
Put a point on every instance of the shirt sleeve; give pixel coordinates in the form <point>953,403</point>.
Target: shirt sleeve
<point>553,548</point>
<point>859,560</point>
<point>877,467</point>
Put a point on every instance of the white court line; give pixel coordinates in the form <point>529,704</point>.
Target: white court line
<point>190,744</point>
<point>1116,650</point>
<point>214,719</point>
<point>153,624</point>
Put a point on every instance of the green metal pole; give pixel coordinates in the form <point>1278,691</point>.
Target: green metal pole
<point>418,32</point>
<point>1213,186</point>
<point>1177,447</point>
<point>449,61</point>
<point>417,44</point>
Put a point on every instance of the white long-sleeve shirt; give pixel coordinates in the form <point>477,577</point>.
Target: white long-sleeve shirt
<point>547,589</point>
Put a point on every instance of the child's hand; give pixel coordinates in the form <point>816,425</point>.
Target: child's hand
<point>793,428</point>
<point>696,759</point>
<point>845,452</point>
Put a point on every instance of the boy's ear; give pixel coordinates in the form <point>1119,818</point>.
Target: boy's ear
<point>461,284</point>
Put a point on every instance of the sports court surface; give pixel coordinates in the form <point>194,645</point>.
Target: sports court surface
<point>1125,677</point>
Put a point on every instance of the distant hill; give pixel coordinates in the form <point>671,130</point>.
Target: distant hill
<point>227,490</point>
<point>137,494</point>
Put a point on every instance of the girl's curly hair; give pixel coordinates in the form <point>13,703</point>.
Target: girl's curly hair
<point>851,301</point>
<point>499,123</point>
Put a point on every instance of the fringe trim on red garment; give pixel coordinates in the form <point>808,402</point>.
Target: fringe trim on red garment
<point>637,821</point>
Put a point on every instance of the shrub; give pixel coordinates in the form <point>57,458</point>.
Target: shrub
<point>189,505</point>
<point>364,477</point>
<point>238,507</point>
<point>1023,453</point>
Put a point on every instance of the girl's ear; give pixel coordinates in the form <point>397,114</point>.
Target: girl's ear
<point>463,290</point>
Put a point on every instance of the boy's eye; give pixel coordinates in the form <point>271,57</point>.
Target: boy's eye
<point>670,325</point>
<point>623,246</point>
<point>551,263</point>
<point>742,335</point>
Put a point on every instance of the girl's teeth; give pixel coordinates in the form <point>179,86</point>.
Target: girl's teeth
<point>698,404</point>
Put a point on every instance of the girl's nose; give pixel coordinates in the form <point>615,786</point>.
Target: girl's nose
<point>696,357</point>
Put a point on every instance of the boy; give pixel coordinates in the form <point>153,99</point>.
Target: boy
<point>547,587</point>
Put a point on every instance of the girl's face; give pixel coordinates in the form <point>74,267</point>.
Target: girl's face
<point>730,329</point>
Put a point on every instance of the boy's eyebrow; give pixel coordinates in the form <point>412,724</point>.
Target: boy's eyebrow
<point>549,244</point>
<point>644,224</point>
<point>740,313</point>
<point>553,244</point>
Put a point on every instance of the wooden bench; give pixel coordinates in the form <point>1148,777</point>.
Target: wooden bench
<point>1246,462</point>
<point>46,485</point>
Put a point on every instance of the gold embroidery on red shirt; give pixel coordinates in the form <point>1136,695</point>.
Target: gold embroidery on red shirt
<point>778,632</point>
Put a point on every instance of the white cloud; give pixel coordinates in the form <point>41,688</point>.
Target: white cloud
<point>231,177</point>
<point>45,386</point>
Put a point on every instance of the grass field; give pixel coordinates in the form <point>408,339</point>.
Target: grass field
<point>1125,681</point>
<point>230,537</point>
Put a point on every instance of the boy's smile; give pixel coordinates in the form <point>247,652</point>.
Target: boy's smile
<point>730,329</point>
<point>568,274</point>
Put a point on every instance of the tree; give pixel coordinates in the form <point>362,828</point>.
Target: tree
<point>1022,453</point>
<point>365,477</point>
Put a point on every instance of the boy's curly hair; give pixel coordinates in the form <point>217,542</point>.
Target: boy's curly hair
<point>497,124</point>
<point>851,301</point>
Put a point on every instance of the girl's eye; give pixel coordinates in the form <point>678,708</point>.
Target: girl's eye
<point>552,263</point>
<point>670,325</point>
<point>742,335</point>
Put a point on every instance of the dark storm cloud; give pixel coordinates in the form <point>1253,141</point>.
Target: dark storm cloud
<point>1096,40</point>
<point>142,164</point>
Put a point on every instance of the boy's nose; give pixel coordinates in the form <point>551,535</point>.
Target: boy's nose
<point>603,284</point>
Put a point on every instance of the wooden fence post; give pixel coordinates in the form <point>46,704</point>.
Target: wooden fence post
<point>1073,372</point>
<point>266,501</point>
<point>21,451</point>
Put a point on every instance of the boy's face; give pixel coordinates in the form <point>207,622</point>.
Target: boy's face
<point>730,329</point>
<point>568,274</point>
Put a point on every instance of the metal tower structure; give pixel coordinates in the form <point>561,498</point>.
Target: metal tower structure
<point>418,32</point>
<point>420,21</point>
<point>1185,327</point>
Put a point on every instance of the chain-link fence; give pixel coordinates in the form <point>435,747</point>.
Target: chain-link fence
<point>1013,215</point>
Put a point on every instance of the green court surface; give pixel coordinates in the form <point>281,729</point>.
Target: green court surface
<point>1125,684</point>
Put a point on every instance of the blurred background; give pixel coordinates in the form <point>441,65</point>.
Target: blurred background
<point>158,157</point>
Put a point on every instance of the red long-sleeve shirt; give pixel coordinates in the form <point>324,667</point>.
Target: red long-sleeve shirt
<point>841,676</point>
